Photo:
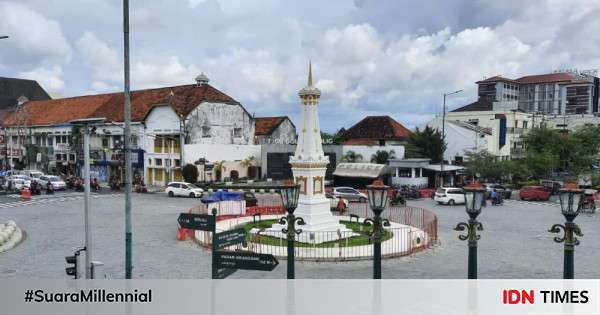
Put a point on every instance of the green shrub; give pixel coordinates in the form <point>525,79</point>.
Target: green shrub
<point>190,173</point>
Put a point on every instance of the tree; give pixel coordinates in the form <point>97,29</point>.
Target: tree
<point>382,156</point>
<point>249,163</point>
<point>190,173</point>
<point>483,165</point>
<point>219,168</point>
<point>352,157</point>
<point>336,138</point>
<point>550,151</point>
<point>427,143</point>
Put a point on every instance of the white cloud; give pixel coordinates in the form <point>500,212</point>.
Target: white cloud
<point>34,39</point>
<point>49,78</point>
<point>103,59</point>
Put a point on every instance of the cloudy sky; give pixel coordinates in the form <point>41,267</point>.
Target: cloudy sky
<point>370,57</point>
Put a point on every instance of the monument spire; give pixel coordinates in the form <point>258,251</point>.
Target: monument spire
<point>310,83</point>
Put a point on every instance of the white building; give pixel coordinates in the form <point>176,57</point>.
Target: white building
<point>505,126</point>
<point>163,121</point>
<point>558,93</point>
<point>461,137</point>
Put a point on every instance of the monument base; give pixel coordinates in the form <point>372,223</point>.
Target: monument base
<point>320,225</point>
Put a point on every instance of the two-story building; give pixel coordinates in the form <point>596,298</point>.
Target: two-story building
<point>163,121</point>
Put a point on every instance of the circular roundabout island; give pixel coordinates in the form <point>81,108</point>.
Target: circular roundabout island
<point>410,230</point>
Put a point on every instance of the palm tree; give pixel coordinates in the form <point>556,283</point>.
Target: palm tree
<point>219,168</point>
<point>249,163</point>
<point>352,157</point>
<point>382,156</point>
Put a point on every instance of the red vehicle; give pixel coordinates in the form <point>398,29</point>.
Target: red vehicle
<point>534,193</point>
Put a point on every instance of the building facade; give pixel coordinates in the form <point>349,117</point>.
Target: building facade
<point>556,93</point>
<point>275,130</point>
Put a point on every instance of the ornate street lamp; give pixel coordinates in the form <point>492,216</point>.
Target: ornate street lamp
<point>570,202</point>
<point>289,197</point>
<point>377,201</point>
<point>474,200</point>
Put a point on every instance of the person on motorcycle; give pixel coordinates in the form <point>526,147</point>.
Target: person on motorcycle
<point>494,197</point>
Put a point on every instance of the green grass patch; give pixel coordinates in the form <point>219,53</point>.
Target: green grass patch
<point>358,240</point>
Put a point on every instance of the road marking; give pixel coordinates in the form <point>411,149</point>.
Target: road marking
<point>552,204</point>
<point>50,200</point>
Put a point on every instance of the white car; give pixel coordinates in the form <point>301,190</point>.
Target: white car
<point>449,195</point>
<point>33,174</point>
<point>18,181</point>
<point>57,182</point>
<point>183,189</point>
<point>18,184</point>
<point>349,193</point>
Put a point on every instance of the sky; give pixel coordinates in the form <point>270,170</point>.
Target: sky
<point>370,57</point>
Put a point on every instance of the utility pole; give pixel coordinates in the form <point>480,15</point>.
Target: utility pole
<point>85,124</point>
<point>126,144</point>
<point>444,136</point>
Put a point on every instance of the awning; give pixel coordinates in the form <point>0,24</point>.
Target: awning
<point>364,170</point>
<point>447,168</point>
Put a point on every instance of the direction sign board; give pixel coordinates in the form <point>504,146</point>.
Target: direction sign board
<point>223,273</point>
<point>193,221</point>
<point>231,237</point>
<point>244,260</point>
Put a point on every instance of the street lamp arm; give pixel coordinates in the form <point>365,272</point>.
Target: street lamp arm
<point>462,226</point>
<point>386,222</point>
<point>557,228</point>
<point>472,227</point>
<point>368,222</point>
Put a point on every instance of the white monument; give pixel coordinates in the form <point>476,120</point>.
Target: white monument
<point>309,164</point>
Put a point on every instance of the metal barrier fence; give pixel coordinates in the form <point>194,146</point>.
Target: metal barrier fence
<point>418,231</point>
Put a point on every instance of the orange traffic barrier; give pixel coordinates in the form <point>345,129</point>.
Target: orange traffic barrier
<point>25,194</point>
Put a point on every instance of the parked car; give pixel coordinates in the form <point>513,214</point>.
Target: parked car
<point>183,189</point>
<point>535,193</point>
<point>57,182</point>
<point>449,195</point>
<point>489,187</point>
<point>33,174</point>
<point>251,200</point>
<point>551,185</point>
<point>18,181</point>
<point>349,194</point>
<point>335,201</point>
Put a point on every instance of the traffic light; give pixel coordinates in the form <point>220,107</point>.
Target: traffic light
<point>71,270</point>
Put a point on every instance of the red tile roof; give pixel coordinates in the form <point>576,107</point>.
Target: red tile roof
<point>496,78</point>
<point>377,127</point>
<point>545,78</point>
<point>266,125</point>
<point>185,98</point>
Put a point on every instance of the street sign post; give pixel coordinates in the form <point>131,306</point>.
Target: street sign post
<point>203,222</point>
<point>223,273</point>
<point>244,260</point>
<point>231,237</point>
<point>225,263</point>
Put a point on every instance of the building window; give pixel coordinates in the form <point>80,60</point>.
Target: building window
<point>149,161</point>
<point>105,142</point>
<point>71,157</point>
<point>158,147</point>
<point>237,132</point>
<point>525,124</point>
<point>205,132</point>
<point>177,163</point>
<point>158,162</point>
<point>50,141</point>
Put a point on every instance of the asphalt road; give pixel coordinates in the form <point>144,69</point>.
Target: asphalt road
<point>514,244</point>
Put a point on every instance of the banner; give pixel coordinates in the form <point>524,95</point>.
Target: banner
<point>314,297</point>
